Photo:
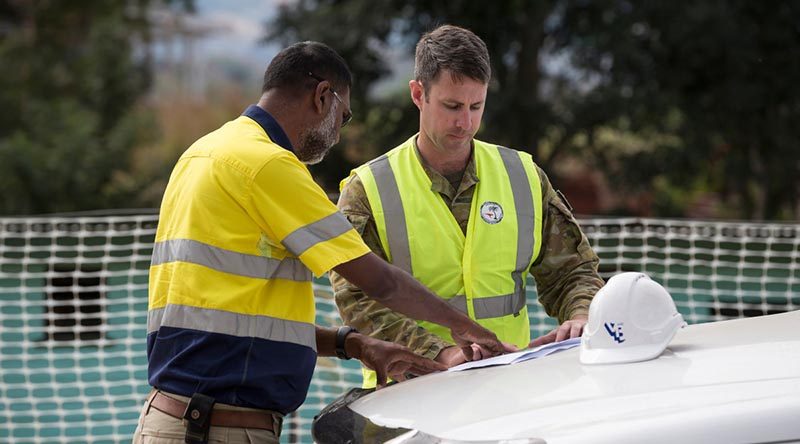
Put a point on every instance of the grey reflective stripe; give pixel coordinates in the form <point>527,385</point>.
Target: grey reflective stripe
<point>154,319</point>
<point>234,324</point>
<point>494,306</point>
<point>322,230</point>
<point>187,250</point>
<point>459,302</point>
<point>523,201</point>
<point>393,213</point>
<point>486,307</point>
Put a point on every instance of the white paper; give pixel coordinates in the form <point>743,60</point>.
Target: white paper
<point>520,356</point>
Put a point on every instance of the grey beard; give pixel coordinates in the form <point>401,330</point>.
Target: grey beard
<point>316,142</point>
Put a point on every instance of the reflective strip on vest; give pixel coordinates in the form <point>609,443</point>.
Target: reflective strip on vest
<point>523,201</point>
<point>496,306</point>
<point>234,324</point>
<point>459,302</point>
<point>227,261</point>
<point>396,232</point>
<point>486,307</point>
<point>322,230</point>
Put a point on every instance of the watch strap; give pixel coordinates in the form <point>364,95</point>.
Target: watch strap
<point>341,335</point>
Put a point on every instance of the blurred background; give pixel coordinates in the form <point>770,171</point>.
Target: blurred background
<point>650,108</point>
<point>672,127</point>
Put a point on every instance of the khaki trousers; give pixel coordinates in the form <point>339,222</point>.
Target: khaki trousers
<point>157,427</point>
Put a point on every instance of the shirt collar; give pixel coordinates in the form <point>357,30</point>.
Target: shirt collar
<point>270,126</point>
<point>440,184</point>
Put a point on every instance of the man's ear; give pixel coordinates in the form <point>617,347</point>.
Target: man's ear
<point>319,96</point>
<point>417,93</point>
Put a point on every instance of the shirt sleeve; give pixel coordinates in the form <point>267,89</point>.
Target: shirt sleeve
<point>566,270</point>
<point>300,216</point>
<point>356,309</point>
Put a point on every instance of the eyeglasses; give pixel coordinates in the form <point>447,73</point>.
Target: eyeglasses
<point>348,116</point>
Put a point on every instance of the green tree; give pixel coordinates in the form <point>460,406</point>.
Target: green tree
<point>668,98</point>
<point>515,32</point>
<point>721,75</point>
<point>75,72</point>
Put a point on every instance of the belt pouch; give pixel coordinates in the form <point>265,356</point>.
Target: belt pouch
<point>197,418</point>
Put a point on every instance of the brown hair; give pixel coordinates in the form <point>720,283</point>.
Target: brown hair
<point>451,48</point>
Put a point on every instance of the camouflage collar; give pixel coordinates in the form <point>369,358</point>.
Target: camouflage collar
<point>440,184</point>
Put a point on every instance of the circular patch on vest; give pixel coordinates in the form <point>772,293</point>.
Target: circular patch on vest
<point>491,212</point>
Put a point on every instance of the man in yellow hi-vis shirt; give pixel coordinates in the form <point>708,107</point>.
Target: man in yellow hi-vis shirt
<point>243,227</point>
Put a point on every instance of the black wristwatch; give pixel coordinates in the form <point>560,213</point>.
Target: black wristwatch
<point>341,335</point>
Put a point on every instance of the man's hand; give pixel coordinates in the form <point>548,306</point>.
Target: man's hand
<point>451,356</point>
<point>389,360</point>
<point>568,330</point>
<point>471,334</point>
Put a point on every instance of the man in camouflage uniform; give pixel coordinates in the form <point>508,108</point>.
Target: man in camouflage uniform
<point>566,267</point>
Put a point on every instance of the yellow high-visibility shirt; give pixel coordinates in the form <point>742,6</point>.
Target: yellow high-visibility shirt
<point>242,228</point>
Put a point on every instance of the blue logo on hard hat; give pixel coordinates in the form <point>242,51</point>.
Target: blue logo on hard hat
<point>615,330</point>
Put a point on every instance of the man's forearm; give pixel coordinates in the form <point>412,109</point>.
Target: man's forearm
<point>405,294</point>
<point>399,291</point>
<point>326,341</point>
<point>571,294</point>
<point>374,319</point>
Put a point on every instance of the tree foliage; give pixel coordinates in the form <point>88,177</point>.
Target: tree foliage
<point>673,101</point>
<point>363,30</point>
<point>728,68</point>
<point>74,72</point>
<point>666,98</point>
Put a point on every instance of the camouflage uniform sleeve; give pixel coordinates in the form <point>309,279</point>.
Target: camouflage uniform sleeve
<point>566,270</point>
<point>356,309</point>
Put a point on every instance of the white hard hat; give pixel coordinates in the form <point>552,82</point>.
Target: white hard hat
<point>632,318</point>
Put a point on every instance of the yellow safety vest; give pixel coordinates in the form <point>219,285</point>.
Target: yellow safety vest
<point>483,273</point>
